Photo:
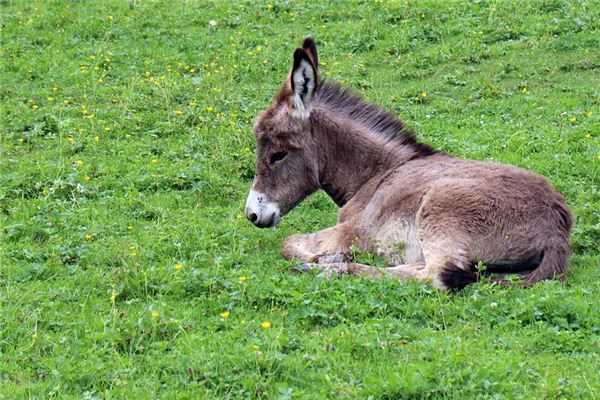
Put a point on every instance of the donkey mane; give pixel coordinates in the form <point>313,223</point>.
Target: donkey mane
<point>337,98</point>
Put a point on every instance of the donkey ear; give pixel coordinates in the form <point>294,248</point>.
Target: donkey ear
<point>303,80</point>
<point>310,47</point>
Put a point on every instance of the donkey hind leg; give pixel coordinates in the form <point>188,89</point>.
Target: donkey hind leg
<point>446,265</point>
<point>334,242</point>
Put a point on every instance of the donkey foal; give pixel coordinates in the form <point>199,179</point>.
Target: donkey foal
<point>434,217</point>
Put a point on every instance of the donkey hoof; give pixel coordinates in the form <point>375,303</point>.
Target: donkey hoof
<point>304,267</point>
<point>331,259</point>
<point>334,271</point>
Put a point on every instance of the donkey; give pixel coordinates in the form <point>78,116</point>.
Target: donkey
<point>433,217</point>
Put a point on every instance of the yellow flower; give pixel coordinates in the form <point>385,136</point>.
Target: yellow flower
<point>107,129</point>
<point>224,314</point>
<point>178,112</point>
<point>524,89</point>
<point>423,94</point>
<point>79,163</point>
<point>265,325</point>
<point>110,17</point>
<point>155,314</point>
<point>154,161</point>
<point>97,139</point>
<point>588,136</point>
<point>71,140</point>
<point>87,236</point>
<point>87,178</point>
<point>243,279</point>
<point>573,119</point>
<point>209,109</point>
<point>178,267</point>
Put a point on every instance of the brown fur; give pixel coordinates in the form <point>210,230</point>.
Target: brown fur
<point>432,215</point>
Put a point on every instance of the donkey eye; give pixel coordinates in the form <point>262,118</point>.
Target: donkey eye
<point>280,155</point>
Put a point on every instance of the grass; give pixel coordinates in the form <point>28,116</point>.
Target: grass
<point>129,271</point>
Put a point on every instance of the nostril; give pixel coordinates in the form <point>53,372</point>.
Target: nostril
<point>252,217</point>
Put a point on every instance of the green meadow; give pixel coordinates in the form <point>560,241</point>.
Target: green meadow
<point>127,266</point>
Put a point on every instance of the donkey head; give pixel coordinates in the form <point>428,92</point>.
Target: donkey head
<point>286,154</point>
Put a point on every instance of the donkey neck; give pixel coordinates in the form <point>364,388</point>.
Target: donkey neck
<point>349,156</point>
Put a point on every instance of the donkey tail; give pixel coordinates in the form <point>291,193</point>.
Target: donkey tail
<point>553,265</point>
<point>557,251</point>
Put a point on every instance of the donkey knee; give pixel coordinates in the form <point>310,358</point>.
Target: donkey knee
<point>300,247</point>
<point>293,248</point>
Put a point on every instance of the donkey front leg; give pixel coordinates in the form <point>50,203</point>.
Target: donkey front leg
<point>401,272</point>
<point>329,245</point>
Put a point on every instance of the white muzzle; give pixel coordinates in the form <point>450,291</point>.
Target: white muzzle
<point>261,212</point>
